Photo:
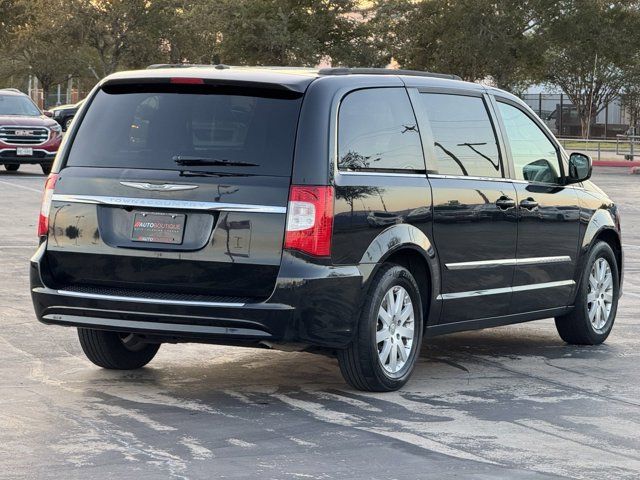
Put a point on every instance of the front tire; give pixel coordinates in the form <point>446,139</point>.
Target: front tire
<point>116,351</point>
<point>382,356</point>
<point>46,168</point>
<point>12,167</point>
<point>594,312</point>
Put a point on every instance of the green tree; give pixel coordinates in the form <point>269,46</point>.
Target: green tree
<point>117,34</point>
<point>476,39</point>
<point>188,30</point>
<point>42,41</point>
<point>12,13</point>
<point>591,46</point>
<point>282,32</point>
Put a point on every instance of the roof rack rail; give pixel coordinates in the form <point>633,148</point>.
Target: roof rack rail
<point>15,90</point>
<point>187,65</point>
<point>383,71</point>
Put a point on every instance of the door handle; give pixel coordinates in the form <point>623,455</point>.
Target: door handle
<point>505,203</point>
<point>529,204</point>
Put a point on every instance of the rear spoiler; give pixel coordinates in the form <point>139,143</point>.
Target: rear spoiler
<point>272,82</point>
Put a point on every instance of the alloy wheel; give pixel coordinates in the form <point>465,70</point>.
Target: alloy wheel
<point>600,294</point>
<point>395,329</point>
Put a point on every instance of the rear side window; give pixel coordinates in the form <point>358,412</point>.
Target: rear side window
<point>377,131</point>
<point>152,129</point>
<point>464,139</point>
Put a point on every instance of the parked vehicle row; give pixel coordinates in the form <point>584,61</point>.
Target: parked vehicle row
<point>27,135</point>
<point>352,211</point>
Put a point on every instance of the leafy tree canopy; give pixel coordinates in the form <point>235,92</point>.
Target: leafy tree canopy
<point>592,45</point>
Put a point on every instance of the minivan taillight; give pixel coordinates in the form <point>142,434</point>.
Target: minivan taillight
<point>43,220</point>
<point>310,220</point>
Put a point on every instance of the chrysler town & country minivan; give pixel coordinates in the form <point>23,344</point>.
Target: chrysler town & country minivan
<point>350,211</point>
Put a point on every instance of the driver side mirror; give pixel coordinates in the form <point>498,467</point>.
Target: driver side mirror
<point>580,167</point>
<point>47,113</point>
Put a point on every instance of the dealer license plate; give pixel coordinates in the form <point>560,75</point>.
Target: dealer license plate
<point>158,227</point>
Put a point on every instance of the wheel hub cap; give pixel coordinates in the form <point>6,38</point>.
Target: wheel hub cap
<point>600,294</point>
<point>395,329</point>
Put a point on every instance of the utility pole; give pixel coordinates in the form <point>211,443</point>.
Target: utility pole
<point>593,86</point>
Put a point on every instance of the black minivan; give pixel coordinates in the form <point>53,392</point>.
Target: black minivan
<point>350,211</point>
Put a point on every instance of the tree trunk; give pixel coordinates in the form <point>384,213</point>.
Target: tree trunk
<point>174,53</point>
<point>584,126</point>
<point>586,119</point>
<point>46,88</point>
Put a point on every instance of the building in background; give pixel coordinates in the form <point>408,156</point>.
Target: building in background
<point>557,111</point>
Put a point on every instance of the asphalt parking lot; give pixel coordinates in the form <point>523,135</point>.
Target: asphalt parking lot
<point>512,402</point>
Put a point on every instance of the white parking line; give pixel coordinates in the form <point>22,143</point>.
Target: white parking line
<point>37,190</point>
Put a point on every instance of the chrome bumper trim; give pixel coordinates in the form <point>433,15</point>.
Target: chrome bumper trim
<point>152,327</point>
<point>117,298</point>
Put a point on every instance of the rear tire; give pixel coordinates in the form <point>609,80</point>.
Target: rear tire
<point>46,168</point>
<point>594,312</point>
<point>116,351</point>
<point>383,354</point>
<point>12,168</point>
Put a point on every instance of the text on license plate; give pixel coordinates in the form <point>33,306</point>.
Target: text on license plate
<point>158,227</point>
<point>24,151</point>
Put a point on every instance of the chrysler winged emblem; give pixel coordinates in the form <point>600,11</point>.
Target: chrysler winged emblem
<point>158,187</point>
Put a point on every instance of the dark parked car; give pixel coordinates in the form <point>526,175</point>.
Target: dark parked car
<point>64,114</point>
<point>345,210</point>
<point>27,136</point>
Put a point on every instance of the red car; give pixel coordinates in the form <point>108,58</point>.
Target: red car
<point>27,136</point>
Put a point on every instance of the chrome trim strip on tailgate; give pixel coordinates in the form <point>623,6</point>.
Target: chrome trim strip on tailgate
<point>162,203</point>
<point>118,298</point>
<point>507,262</point>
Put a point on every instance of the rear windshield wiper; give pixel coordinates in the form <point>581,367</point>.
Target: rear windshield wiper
<point>210,162</point>
<point>197,173</point>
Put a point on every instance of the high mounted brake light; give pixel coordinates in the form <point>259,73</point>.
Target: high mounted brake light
<point>310,220</point>
<point>43,219</point>
<point>187,81</point>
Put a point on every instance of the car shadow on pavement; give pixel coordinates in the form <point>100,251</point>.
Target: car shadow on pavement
<point>453,357</point>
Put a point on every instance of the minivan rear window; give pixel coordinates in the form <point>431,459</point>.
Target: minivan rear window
<point>188,129</point>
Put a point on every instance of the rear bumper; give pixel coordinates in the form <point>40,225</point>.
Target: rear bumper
<point>311,305</point>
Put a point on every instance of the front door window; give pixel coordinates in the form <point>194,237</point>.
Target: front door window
<point>535,158</point>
